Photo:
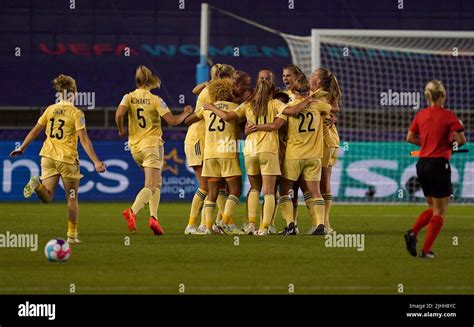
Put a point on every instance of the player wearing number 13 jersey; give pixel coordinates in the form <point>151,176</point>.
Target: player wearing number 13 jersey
<point>63,124</point>
<point>145,141</point>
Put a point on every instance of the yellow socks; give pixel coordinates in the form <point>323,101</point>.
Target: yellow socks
<point>286,207</point>
<point>268,209</point>
<point>196,206</point>
<point>230,204</point>
<point>253,199</point>
<point>318,217</point>
<point>295,213</point>
<point>209,207</point>
<point>71,229</point>
<point>221,201</point>
<point>308,199</point>
<point>154,203</point>
<point>277,203</point>
<point>143,197</point>
<point>327,203</point>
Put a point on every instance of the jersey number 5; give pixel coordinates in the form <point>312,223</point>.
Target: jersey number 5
<point>140,118</point>
<point>59,135</point>
<point>301,116</point>
<point>221,126</point>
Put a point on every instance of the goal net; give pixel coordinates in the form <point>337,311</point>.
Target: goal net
<point>382,74</point>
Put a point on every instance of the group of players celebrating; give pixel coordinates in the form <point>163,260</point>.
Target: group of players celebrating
<point>291,143</point>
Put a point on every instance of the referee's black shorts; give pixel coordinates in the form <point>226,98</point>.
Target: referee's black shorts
<point>434,175</point>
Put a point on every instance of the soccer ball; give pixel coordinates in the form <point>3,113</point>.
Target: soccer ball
<point>57,250</point>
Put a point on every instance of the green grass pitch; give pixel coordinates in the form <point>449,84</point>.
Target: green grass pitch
<point>174,262</point>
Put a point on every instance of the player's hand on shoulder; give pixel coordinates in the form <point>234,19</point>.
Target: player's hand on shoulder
<point>100,167</point>
<point>188,109</point>
<point>208,106</point>
<point>16,153</point>
<point>330,120</point>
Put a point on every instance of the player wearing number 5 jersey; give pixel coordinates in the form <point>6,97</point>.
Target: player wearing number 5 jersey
<point>145,141</point>
<point>63,124</point>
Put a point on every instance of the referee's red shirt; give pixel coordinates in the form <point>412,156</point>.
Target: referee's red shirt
<point>435,126</point>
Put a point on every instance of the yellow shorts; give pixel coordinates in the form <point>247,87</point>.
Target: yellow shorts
<point>309,168</point>
<point>330,155</point>
<point>264,163</point>
<point>68,172</point>
<point>194,154</point>
<point>150,157</point>
<point>221,167</point>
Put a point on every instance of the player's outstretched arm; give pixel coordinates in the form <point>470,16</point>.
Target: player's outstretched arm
<point>413,138</point>
<point>275,125</point>
<point>295,109</point>
<point>175,120</point>
<point>226,115</point>
<point>32,135</point>
<point>198,88</point>
<point>87,145</point>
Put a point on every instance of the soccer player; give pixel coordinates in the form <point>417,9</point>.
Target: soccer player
<point>63,124</point>
<point>145,141</point>
<point>433,128</point>
<point>323,79</point>
<point>304,151</point>
<point>260,151</point>
<point>194,149</point>
<point>220,155</point>
<point>291,73</point>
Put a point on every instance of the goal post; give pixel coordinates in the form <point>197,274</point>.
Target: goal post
<point>202,68</point>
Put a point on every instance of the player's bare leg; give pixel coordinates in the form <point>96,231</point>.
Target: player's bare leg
<point>210,204</point>
<point>234,185</point>
<point>253,200</point>
<point>46,188</point>
<point>268,203</point>
<point>318,202</point>
<point>326,173</point>
<point>286,206</point>
<point>153,182</point>
<point>197,203</point>
<point>221,199</point>
<point>71,190</point>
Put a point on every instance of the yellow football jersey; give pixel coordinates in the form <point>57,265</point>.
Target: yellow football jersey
<point>260,141</point>
<point>195,132</point>
<point>62,121</point>
<point>290,93</point>
<point>220,140</point>
<point>331,136</point>
<point>144,122</point>
<point>305,131</point>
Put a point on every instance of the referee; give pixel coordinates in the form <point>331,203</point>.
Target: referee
<point>434,129</point>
